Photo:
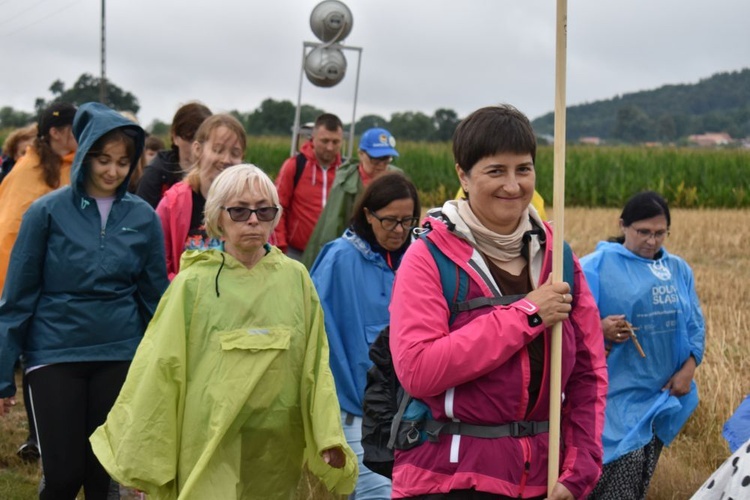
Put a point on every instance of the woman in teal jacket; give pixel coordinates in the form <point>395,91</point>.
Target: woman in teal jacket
<point>85,276</point>
<point>354,275</point>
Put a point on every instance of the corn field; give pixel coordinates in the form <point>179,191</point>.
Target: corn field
<point>595,176</point>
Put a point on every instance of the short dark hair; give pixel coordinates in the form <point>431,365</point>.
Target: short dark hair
<point>644,206</point>
<point>381,192</point>
<point>330,121</point>
<point>492,130</point>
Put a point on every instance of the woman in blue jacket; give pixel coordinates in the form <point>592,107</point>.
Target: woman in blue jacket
<point>85,276</point>
<point>354,276</point>
<point>654,330</point>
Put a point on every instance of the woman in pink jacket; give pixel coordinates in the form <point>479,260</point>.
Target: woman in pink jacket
<point>489,367</point>
<point>220,142</point>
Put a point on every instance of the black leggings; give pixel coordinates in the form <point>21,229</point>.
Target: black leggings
<point>70,400</point>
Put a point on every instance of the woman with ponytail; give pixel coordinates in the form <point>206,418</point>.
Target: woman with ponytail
<point>44,168</point>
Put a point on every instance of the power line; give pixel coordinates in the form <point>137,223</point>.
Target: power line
<point>9,19</point>
<point>65,7</point>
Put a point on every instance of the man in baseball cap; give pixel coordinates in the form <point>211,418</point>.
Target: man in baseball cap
<point>377,149</point>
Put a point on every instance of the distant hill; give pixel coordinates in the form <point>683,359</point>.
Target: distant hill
<point>720,103</point>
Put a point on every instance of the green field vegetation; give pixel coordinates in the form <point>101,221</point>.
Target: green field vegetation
<point>595,176</point>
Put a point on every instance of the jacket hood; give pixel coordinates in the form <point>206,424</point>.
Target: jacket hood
<point>215,257</point>
<point>611,246</point>
<point>446,220</point>
<point>363,247</point>
<point>92,121</point>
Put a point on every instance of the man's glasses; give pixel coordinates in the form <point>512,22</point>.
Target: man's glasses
<point>242,214</point>
<point>383,160</point>
<point>391,223</point>
<point>647,235</point>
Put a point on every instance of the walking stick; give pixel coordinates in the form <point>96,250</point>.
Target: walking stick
<point>558,200</point>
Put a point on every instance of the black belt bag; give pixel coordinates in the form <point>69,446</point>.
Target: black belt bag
<point>433,428</point>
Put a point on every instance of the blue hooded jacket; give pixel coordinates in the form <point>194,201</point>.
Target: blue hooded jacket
<point>657,296</point>
<point>76,291</point>
<point>354,285</point>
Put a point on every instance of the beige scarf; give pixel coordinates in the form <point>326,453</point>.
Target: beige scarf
<point>504,250</point>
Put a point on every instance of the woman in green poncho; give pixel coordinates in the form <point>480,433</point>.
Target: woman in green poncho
<point>230,391</point>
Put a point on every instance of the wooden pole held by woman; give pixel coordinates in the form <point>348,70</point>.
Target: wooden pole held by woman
<point>558,201</point>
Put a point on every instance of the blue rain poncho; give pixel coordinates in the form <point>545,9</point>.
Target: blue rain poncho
<point>230,390</point>
<point>658,297</point>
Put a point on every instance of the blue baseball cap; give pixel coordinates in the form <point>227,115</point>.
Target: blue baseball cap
<point>378,142</point>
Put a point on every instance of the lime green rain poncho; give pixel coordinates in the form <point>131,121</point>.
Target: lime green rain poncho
<point>230,390</point>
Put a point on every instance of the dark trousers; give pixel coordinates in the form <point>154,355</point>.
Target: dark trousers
<point>70,400</point>
<point>27,406</point>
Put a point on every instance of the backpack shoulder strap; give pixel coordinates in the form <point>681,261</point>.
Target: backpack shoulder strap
<point>568,267</point>
<point>301,162</point>
<point>453,279</point>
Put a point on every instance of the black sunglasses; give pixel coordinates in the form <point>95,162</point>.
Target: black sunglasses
<point>242,214</point>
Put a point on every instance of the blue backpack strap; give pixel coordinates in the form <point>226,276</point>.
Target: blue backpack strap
<point>568,267</point>
<point>454,280</point>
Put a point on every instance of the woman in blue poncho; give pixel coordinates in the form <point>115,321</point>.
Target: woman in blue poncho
<point>654,332</point>
<point>354,275</point>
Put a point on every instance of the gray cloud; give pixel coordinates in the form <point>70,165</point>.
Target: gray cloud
<point>418,55</point>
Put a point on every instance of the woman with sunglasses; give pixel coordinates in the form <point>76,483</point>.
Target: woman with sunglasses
<point>654,332</point>
<point>230,391</point>
<point>354,276</point>
<point>219,143</point>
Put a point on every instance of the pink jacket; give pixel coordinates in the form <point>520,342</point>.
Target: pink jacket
<point>477,371</point>
<point>175,210</point>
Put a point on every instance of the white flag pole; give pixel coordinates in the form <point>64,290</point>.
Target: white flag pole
<point>558,201</point>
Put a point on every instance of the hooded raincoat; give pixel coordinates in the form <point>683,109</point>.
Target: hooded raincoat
<point>354,283</point>
<point>658,297</point>
<point>77,291</point>
<point>477,370</point>
<point>230,391</point>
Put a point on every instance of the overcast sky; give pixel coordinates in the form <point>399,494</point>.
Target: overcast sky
<point>419,55</point>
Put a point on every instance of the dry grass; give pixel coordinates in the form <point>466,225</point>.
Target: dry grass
<point>715,243</point>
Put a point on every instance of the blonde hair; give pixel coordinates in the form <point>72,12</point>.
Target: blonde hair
<point>202,135</point>
<point>231,183</point>
<point>16,137</point>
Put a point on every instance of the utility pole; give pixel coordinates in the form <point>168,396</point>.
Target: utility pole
<point>103,79</point>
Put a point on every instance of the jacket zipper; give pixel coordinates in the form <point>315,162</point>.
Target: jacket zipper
<point>526,465</point>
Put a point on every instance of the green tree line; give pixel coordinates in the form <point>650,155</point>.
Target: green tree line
<point>720,103</point>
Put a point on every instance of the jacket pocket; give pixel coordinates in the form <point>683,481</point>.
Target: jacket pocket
<point>256,339</point>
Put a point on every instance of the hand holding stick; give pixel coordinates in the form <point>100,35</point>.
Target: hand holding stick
<point>635,341</point>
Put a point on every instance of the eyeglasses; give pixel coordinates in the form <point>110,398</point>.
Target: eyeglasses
<point>647,235</point>
<point>391,223</point>
<point>242,214</point>
<point>383,160</point>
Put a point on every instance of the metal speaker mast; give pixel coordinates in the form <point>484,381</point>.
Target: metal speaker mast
<point>103,79</point>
